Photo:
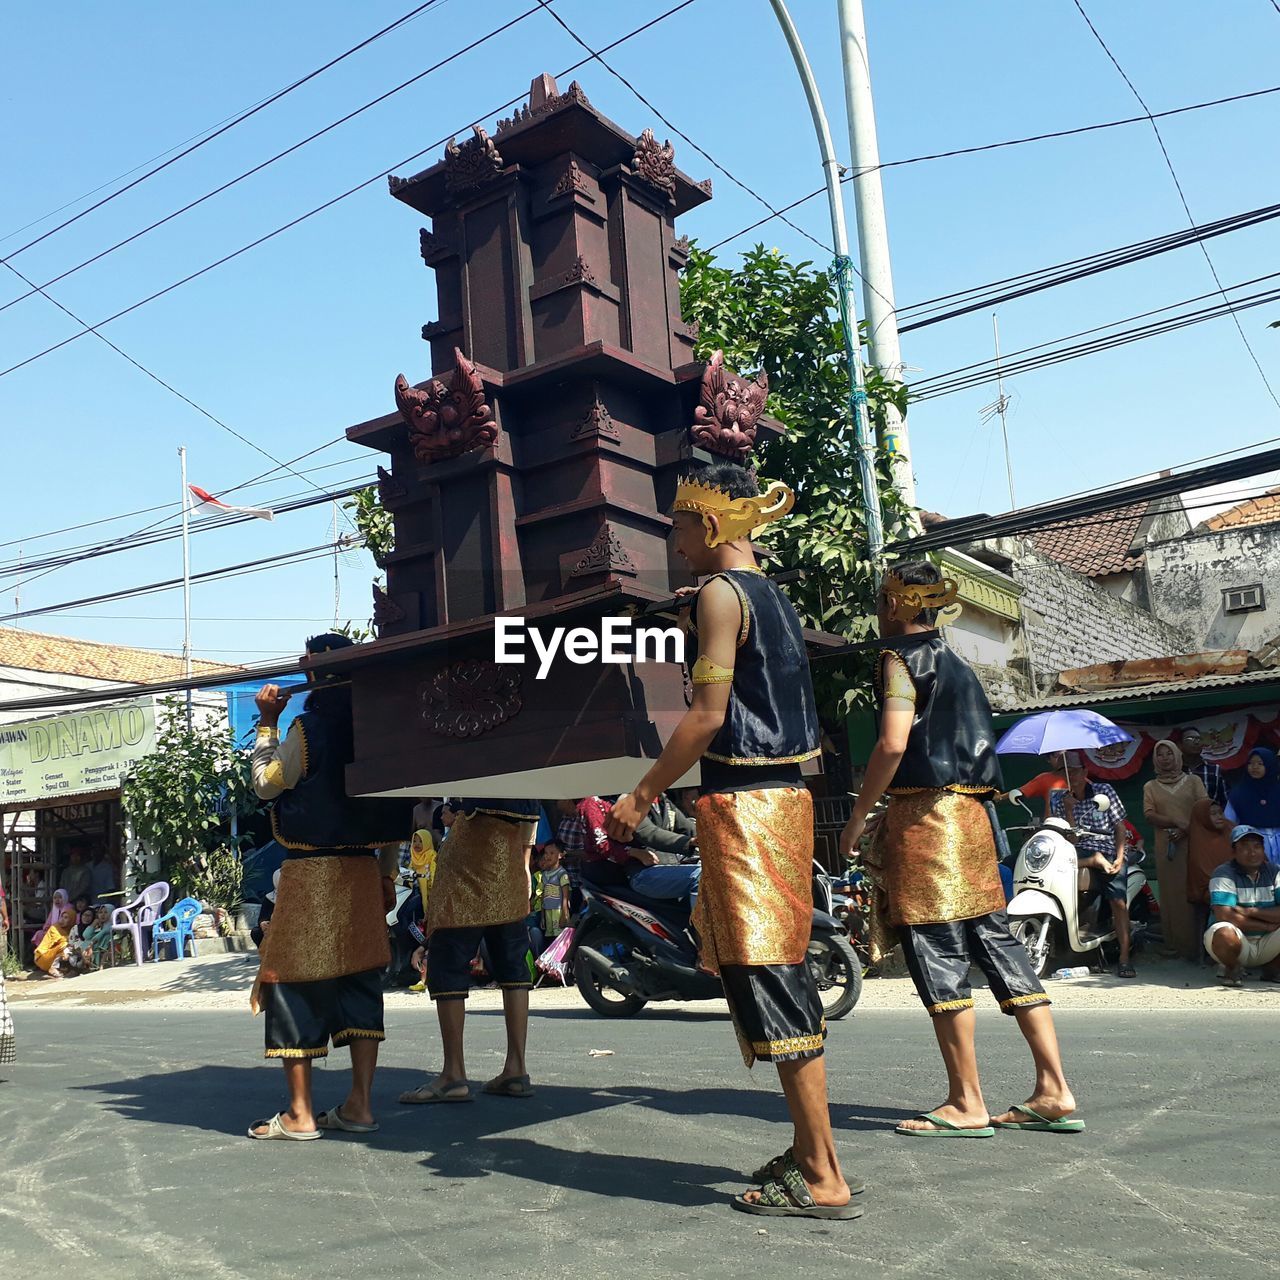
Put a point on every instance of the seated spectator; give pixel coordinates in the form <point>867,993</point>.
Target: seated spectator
<point>99,936</point>
<point>61,903</point>
<point>1245,899</point>
<point>1043,785</point>
<point>77,877</point>
<point>54,941</point>
<point>1101,848</point>
<point>77,955</point>
<point>668,837</point>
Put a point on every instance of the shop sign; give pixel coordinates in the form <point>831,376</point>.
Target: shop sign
<point>76,753</point>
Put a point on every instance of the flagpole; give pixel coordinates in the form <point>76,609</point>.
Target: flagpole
<point>186,577</point>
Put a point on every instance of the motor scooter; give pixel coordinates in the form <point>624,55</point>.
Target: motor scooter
<point>1054,910</point>
<point>629,949</point>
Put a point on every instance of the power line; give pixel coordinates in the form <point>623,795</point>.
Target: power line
<point>983,297</point>
<point>328,204</point>
<point>150,538</point>
<point>983,371</point>
<point>280,155</point>
<point>231,124</point>
<point>1173,173</point>
<point>300,556</point>
<point>1009,142</point>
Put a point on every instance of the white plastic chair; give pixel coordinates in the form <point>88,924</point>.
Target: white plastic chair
<point>148,906</point>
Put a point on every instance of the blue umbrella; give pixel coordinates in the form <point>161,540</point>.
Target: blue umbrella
<point>1067,730</point>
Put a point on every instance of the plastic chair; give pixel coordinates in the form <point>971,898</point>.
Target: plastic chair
<point>148,907</point>
<point>179,932</point>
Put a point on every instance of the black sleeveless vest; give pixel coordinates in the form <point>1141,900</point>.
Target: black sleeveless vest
<point>508,810</point>
<point>953,742</point>
<point>772,716</point>
<point>317,815</point>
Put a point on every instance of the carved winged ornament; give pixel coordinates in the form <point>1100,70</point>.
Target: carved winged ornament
<point>725,421</point>
<point>447,421</point>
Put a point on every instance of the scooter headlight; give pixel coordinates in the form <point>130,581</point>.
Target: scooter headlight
<point>1037,853</point>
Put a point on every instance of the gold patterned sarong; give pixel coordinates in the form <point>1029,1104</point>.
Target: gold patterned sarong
<point>329,921</point>
<point>938,858</point>
<point>482,873</point>
<point>755,901</point>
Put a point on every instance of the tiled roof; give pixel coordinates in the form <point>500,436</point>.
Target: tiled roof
<point>1094,545</point>
<point>32,651</point>
<point>1264,510</point>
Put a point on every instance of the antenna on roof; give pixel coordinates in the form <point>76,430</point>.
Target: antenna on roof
<point>1000,405</point>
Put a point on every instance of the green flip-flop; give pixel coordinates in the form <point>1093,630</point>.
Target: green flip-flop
<point>945,1129</point>
<point>1039,1123</point>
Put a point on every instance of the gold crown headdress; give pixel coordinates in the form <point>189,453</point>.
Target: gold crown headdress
<point>908,599</point>
<point>737,517</point>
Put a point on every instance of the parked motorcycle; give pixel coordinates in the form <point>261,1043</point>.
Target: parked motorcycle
<point>1055,911</point>
<point>629,949</point>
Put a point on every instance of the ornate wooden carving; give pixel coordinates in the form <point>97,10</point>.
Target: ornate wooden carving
<point>580,273</point>
<point>605,555</point>
<point>572,180</point>
<point>725,422</point>
<point>689,329</point>
<point>469,698</point>
<point>681,246</point>
<point>655,164</point>
<point>433,248</point>
<point>436,328</point>
<point>704,185</point>
<point>446,421</point>
<point>597,423</point>
<point>390,490</point>
<point>533,110</point>
<point>471,165</point>
<point>395,184</point>
<point>385,609</point>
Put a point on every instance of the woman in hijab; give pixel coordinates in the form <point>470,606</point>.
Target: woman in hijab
<point>1255,799</point>
<point>61,903</point>
<point>1167,801</point>
<point>1209,846</point>
<point>54,943</point>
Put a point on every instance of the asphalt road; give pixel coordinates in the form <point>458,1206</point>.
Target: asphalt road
<point>122,1153</point>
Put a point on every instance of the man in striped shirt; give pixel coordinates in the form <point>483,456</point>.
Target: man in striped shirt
<point>1245,899</point>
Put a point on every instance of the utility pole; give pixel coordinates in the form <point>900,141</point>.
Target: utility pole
<point>844,290</point>
<point>186,577</point>
<point>873,235</point>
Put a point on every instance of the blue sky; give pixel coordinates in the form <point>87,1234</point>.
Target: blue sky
<point>303,336</point>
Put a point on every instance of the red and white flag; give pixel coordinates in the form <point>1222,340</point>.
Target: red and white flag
<point>205,504</point>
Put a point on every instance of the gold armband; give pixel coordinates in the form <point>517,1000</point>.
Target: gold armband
<point>897,679</point>
<point>707,672</point>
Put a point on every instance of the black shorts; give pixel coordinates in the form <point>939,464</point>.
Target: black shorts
<point>777,1011</point>
<point>451,951</point>
<point>302,1017</point>
<point>939,956</point>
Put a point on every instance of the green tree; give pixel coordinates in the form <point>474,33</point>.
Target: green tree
<point>374,522</point>
<point>782,317</point>
<point>179,801</point>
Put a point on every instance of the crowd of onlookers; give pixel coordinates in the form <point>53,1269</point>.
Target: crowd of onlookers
<point>1216,854</point>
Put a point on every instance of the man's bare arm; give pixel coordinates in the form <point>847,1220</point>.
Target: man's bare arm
<point>719,621</point>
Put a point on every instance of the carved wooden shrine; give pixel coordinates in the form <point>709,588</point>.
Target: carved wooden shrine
<point>530,475</point>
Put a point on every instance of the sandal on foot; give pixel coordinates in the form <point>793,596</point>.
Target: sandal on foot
<point>276,1132</point>
<point>336,1120</point>
<point>509,1087</point>
<point>1126,971</point>
<point>1039,1124</point>
<point>458,1091</point>
<point>773,1171</point>
<point>790,1197</point>
<point>944,1129</point>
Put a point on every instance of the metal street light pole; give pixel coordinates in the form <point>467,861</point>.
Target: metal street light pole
<point>873,235</point>
<point>844,292</point>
